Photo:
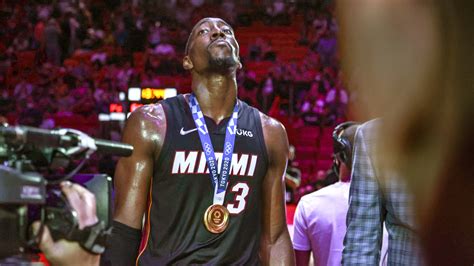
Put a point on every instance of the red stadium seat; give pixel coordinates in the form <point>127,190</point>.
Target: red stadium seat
<point>26,58</point>
<point>139,60</point>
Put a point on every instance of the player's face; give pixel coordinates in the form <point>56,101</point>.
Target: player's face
<point>213,45</point>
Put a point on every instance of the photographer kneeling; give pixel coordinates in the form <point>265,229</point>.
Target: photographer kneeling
<point>65,252</point>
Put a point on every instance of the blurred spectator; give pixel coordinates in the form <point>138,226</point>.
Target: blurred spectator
<point>82,70</point>
<point>313,105</point>
<point>83,101</point>
<point>148,79</point>
<point>228,8</point>
<point>326,47</point>
<point>121,33</point>
<point>276,13</point>
<point>261,50</point>
<point>320,175</point>
<point>39,30</point>
<point>23,89</point>
<point>337,99</point>
<point>183,12</point>
<point>69,27</point>
<point>101,97</point>
<point>50,42</point>
<point>155,33</point>
<point>30,116</point>
<point>320,26</point>
<point>48,122</point>
<point>124,75</point>
<point>248,88</point>
<point>43,11</point>
<point>94,38</point>
<point>21,42</point>
<point>268,91</point>
<point>99,57</point>
<point>292,176</point>
<point>164,49</point>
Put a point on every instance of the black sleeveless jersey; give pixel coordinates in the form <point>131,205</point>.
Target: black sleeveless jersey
<point>181,191</point>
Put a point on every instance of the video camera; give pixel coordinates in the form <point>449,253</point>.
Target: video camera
<point>33,162</point>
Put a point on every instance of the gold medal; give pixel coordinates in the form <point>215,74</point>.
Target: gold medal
<point>216,218</point>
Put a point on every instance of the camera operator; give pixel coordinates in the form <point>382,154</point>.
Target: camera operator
<point>65,252</point>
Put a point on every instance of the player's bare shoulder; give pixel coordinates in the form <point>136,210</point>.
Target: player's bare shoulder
<point>271,125</point>
<point>274,133</point>
<point>150,113</point>
<point>146,124</point>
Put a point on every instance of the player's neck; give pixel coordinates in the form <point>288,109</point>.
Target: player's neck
<point>216,95</point>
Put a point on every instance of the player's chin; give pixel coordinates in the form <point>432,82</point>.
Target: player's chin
<point>224,62</point>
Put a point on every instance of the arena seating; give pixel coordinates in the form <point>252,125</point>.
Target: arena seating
<point>314,149</point>
<point>313,143</point>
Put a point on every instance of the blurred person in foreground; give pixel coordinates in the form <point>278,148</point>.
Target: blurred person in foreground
<point>63,252</point>
<point>411,62</point>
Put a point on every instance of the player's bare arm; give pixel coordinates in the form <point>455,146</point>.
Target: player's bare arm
<point>145,130</point>
<point>275,243</point>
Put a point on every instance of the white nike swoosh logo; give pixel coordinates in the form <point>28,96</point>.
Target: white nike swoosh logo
<point>186,132</point>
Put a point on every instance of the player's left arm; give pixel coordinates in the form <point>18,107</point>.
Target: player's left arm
<point>275,242</point>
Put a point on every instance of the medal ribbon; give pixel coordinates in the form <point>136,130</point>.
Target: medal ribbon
<point>220,185</point>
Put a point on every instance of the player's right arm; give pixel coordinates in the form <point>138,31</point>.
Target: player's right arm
<point>145,130</point>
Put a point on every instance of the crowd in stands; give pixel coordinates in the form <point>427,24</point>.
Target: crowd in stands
<point>71,58</point>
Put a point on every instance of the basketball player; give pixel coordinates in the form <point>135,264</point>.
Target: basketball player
<point>203,203</point>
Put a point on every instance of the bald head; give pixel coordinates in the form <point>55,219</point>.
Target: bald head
<point>212,48</point>
<point>199,23</point>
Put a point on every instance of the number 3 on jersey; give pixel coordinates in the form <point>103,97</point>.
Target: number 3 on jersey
<point>238,205</point>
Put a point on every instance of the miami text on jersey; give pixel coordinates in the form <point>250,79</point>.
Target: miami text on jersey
<point>194,162</point>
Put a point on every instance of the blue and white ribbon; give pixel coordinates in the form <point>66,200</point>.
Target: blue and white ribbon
<point>220,184</point>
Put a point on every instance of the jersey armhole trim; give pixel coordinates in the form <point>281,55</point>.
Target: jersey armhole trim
<point>259,128</point>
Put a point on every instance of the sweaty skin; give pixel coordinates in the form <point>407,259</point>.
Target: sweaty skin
<point>212,59</point>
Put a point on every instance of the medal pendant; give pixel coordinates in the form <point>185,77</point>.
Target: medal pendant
<point>216,218</point>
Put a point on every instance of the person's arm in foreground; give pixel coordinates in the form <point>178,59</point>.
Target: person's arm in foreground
<point>275,243</point>
<point>301,241</point>
<point>363,238</point>
<point>145,130</point>
<point>65,252</point>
